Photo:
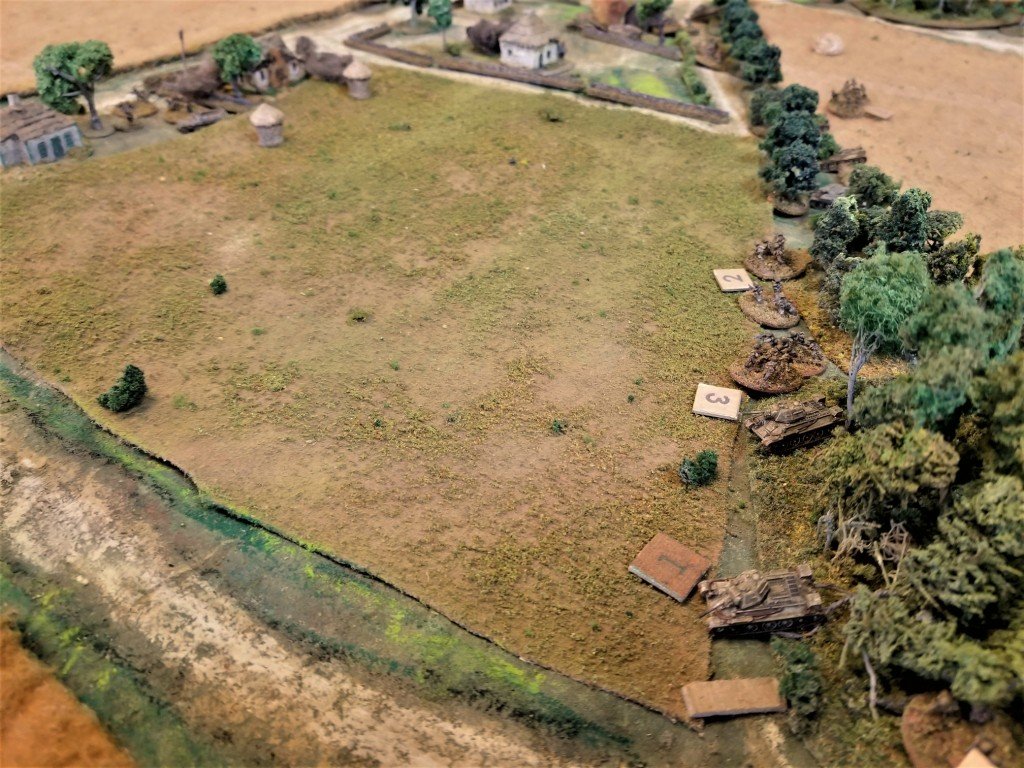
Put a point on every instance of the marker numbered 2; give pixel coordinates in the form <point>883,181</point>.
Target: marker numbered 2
<point>733,280</point>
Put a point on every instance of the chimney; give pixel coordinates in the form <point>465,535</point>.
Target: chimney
<point>13,100</point>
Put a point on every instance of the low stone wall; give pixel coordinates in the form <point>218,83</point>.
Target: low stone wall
<point>366,41</point>
<point>664,51</point>
<point>669,106</point>
<point>489,69</point>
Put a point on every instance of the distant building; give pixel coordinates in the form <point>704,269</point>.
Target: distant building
<point>487,6</point>
<point>278,68</point>
<point>31,132</point>
<point>528,43</point>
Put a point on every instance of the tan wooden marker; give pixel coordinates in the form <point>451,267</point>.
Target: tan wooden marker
<point>733,280</point>
<point>726,698</point>
<point>667,565</point>
<point>717,402</point>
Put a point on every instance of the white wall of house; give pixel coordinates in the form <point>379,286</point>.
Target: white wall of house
<point>530,58</point>
<point>487,6</point>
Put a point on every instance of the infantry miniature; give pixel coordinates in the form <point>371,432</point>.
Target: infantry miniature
<point>778,364</point>
<point>849,101</point>
<point>358,75</point>
<point>777,314</point>
<point>269,124</point>
<point>770,260</point>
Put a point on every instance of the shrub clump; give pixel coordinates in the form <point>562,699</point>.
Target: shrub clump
<point>218,285</point>
<point>700,470</point>
<point>127,392</point>
<point>801,682</point>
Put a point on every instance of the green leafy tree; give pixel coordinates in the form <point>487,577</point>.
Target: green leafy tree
<point>66,71</point>
<point>746,38</point>
<point>732,15</point>
<point>876,300</point>
<point>792,170</point>
<point>953,261</point>
<point>127,392</point>
<point>872,187</point>
<point>834,231</point>
<point>1001,293</point>
<point>798,98</point>
<point>939,225</point>
<point>904,227</point>
<point>236,55</point>
<point>1000,401</point>
<point>889,473</point>
<point>653,10</point>
<point>828,146</point>
<point>441,12</point>
<point>762,64</point>
<point>801,683</point>
<point>218,285</point>
<point>792,128</point>
<point>763,101</point>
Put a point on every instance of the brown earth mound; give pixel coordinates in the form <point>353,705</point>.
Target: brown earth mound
<point>41,723</point>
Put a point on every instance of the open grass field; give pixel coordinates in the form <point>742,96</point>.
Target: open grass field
<point>408,315</point>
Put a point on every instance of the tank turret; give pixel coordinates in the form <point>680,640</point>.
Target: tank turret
<point>795,425</point>
<point>757,603</point>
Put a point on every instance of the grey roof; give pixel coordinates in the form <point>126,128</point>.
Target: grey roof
<point>529,32</point>
<point>31,120</point>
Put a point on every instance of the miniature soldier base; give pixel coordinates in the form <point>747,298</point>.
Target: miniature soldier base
<point>717,402</point>
<point>733,280</point>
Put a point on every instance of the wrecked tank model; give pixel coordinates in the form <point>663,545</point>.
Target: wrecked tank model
<point>795,426</point>
<point>757,603</point>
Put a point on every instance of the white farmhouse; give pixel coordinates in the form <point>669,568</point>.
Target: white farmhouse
<point>487,6</point>
<point>528,43</point>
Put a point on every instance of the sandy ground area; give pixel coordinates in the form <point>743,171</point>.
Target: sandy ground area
<point>958,110</point>
<point>136,30</point>
<point>72,517</point>
<point>41,723</point>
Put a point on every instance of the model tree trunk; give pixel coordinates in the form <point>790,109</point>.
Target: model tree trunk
<point>859,355</point>
<point>90,100</point>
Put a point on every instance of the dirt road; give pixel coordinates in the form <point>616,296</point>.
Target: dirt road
<point>73,518</point>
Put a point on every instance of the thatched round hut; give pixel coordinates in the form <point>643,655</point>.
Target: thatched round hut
<point>269,124</point>
<point>357,75</point>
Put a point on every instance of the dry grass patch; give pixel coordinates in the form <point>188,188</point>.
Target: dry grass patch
<point>495,299</point>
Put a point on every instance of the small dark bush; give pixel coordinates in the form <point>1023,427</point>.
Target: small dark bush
<point>127,392</point>
<point>801,682</point>
<point>559,427</point>
<point>700,470</point>
<point>218,285</point>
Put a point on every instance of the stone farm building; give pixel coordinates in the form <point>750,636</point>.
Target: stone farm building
<point>31,132</point>
<point>487,6</point>
<point>278,68</point>
<point>528,43</point>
